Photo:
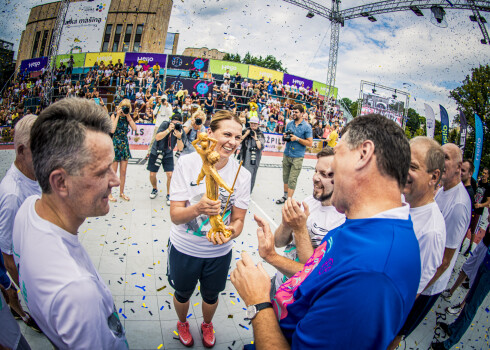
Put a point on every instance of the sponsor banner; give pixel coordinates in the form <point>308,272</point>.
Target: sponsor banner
<point>91,58</point>
<point>187,63</point>
<point>463,124</point>
<point>430,120</point>
<point>151,58</point>
<point>444,125</point>
<point>478,145</point>
<point>397,118</point>
<point>84,26</point>
<point>142,135</point>
<point>298,81</point>
<point>256,73</point>
<point>201,87</point>
<point>79,59</point>
<point>322,89</point>
<point>33,64</point>
<point>274,143</point>
<point>220,67</point>
<point>386,106</point>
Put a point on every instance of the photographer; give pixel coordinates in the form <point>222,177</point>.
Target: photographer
<point>298,136</point>
<point>192,128</point>
<point>168,135</point>
<point>253,141</point>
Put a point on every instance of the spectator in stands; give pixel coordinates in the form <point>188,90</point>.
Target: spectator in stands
<point>238,80</point>
<point>121,120</point>
<point>141,77</point>
<point>209,105</point>
<point>300,137</point>
<point>271,125</point>
<point>225,87</point>
<point>170,92</point>
<point>156,68</point>
<point>158,84</point>
<point>69,65</point>
<point>333,136</point>
<point>226,75</point>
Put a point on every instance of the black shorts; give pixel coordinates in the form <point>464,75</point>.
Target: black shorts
<point>167,163</point>
<point>183,272</point>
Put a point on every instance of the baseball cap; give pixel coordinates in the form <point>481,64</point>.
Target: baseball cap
<point>177,117</point>
<point>254,120</point>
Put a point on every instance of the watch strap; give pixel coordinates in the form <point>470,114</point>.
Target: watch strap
<point>262,306</point>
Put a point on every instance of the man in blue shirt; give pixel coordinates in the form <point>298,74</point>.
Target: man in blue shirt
<point>359,285</point>
<point>298,136</point>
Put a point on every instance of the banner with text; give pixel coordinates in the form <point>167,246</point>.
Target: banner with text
<point>187,63</point>
<point>78,58</point>
<point>444,125</point>
<point>220,67</point>
<point>200,87</point>
<point>298,81</point>
<point>274,143</point>
<point>106,57</point>
<point>430,120</point>
<point>463,125</point>
<point>256,73</point>
<point>84,26</point>
<point>150,58</point>
<point>142,135</point>
<point>478,145</point>
<point>322,89</point>
<point>33,64</point>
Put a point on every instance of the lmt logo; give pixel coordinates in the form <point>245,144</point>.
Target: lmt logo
<point>34,64</point>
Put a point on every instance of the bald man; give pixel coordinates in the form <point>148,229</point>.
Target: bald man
<point>455,205</point>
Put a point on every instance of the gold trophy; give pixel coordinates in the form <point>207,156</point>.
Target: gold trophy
<point>205,145</point>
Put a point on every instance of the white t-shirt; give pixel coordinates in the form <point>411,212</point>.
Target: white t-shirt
<point>162,113</point>
<point>322,220</point>
<point>14,189</point>
<point>455,206</point>
<point>430,230</point>
<point>190,238</point>
<point>60,285</point>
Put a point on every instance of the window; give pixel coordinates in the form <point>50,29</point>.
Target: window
<point>36,43</point>
<point>43,43</point>
<point>107,38</point>
<point>169,43</point>
<point>137,38</point>
<point>127,37</point>
<point>117,37</point>
<point>49,45</point>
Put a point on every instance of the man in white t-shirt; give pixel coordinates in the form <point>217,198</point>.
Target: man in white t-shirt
<point>455,205</point>
<point>18,184</point>
<point>426,168</point>
<point>301,231</point>
<point>225,87</point>
<point>59,283</point>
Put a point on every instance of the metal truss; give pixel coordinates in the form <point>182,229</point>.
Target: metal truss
<point>53,50</point>
<point>337,18</point>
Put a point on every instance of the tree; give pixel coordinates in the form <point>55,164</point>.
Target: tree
<point>473,97</point>
<point>413,122</point>
<point>268,62</point>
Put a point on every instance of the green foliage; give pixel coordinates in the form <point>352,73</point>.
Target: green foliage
<point>473,96</point>
<point>268,62</point>
<point>413,122</point>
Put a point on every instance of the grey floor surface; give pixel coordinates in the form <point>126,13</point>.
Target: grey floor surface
<point>129,248</point>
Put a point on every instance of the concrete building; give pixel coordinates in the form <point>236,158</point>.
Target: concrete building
<point>131,26</point>
<point>204,52</point>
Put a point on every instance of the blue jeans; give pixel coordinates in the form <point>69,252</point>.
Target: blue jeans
<point>475,298</point>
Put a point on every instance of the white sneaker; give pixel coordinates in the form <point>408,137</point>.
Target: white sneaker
<point>153,193</point>
<point>446,295</point>
<point>454,310</point>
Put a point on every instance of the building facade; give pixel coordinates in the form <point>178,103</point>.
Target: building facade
<point>204,52</point>
<point>131,26</point>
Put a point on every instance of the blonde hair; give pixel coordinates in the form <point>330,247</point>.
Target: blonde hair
<point>22,131</point>
<point>126,103</point>
<point>222,115</point>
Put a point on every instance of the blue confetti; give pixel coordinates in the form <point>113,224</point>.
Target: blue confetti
<point>124,315</point>
<point>189,315</point>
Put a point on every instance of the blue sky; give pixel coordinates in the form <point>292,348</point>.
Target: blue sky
<point>400,50</point>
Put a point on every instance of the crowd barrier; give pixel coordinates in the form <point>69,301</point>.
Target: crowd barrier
<point>273,142</point>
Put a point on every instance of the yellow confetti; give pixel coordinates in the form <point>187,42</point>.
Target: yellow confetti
<point>148,275</point>
<point>196,304</point>
<point>177,334</point>
<point>155,210</point>
<point>144,305</point>
<point>231,301</point>
<point>160,346</point>
<point>171,294</point>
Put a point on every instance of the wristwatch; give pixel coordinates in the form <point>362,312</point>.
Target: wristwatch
<point>253,310</point>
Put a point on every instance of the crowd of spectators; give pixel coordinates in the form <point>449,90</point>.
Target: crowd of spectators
<point>107,84</point>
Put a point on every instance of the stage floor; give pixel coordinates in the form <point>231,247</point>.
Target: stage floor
<point>129,248</point>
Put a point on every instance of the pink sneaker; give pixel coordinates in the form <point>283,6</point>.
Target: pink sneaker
<point>208,338</point>
<point>185,335</point>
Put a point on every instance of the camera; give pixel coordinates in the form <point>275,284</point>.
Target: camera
<point>125,110</point>
<point>252,132</point>
<point>287,136</point>
<point>198,121</point>
<point>253,155</point>
<point>178,127</point>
